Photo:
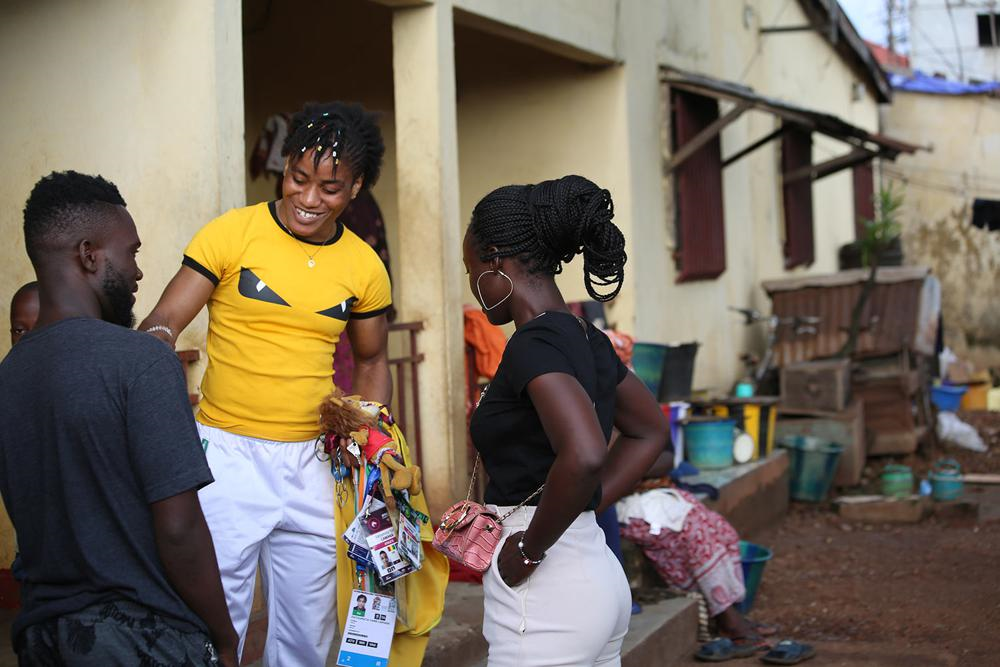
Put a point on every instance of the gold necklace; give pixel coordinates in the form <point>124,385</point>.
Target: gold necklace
<point>310,259</point>
<point>311,262</point>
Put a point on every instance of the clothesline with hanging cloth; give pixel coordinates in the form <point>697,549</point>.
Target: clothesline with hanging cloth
<point>864,145</point>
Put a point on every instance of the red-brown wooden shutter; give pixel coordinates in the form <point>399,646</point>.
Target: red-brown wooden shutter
<point>796,152</point>
<point>864,197</point>
<point>701,234</point>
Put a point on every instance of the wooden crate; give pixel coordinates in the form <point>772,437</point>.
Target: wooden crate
<point>888,407</point>
<point>823,386</point>
<point>845,428</point>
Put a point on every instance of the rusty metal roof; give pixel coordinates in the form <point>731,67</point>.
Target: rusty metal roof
<point>886,275</point>
<point>888,322</point>
<point>845,40</point>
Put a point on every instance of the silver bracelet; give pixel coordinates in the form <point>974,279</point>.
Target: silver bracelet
<point>161,327</point>
<point>528,560</point>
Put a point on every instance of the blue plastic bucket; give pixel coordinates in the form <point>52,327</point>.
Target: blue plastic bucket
<point>753,558</point>
<point>947,397</point>
<point>708,444</point>
<point>666,370</point>
<point>946,480</point>
<point>647,361</point>
<point>813,463</point>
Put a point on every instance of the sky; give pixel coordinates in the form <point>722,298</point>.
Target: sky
<point>868,17</point>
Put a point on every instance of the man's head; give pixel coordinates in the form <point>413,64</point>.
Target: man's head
<point>78,234</point>
<point>23,311</point>
<point>362,600</point>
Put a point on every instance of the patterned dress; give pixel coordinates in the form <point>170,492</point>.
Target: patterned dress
<point>705,554</point>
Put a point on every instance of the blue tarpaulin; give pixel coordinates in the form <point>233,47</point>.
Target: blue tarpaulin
<point>919,82</point>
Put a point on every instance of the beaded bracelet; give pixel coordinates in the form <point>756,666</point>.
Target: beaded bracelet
<point>161,327</point>
<point>527,559</point>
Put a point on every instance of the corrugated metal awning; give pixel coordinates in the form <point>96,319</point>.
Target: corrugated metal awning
<point>887,275</point>
<point>865,145</point>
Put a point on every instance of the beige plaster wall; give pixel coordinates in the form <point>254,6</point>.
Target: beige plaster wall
<point>721,39</point>
<point>525,116</point>
<point>141,93</point>
<point>939,188</point>
<point>585,30</point>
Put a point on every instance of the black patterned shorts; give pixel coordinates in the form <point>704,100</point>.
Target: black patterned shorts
<point>109,634</point>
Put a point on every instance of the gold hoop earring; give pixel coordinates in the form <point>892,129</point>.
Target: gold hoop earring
<point>479,289</point>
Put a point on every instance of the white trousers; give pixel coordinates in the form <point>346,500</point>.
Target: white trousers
<point>574,609</point>
<point>272,504</point>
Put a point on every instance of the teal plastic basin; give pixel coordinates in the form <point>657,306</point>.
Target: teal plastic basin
<point>709,444</point>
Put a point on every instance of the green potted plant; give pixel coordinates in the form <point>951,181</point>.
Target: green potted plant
<point>879,234</point>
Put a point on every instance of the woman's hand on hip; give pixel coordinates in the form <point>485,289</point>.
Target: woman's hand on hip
<point>510,563</point>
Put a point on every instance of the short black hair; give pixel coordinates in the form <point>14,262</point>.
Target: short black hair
<point>547,224</point>
<point>341,130</point>
<point>60,203</point>
<point>26,288</point>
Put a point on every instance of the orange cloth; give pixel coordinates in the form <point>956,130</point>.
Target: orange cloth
<point>622,343</point>
<point>486,339</point>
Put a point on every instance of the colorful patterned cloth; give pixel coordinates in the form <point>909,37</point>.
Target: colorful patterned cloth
<point>704,553</point>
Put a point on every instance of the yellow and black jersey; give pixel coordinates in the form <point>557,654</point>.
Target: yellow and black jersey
<point>274,320</point>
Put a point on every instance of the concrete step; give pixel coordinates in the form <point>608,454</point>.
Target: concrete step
<point>664,634</point>
<point>458,640</point>
<point>752,496</point>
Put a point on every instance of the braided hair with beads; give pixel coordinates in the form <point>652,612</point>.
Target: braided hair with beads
<point>545,225</point>
<point>345,132</point>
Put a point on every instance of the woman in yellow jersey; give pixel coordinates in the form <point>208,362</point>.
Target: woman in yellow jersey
<point>282,280</point>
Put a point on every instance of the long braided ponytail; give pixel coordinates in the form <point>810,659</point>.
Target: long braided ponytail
<point>547,224</point>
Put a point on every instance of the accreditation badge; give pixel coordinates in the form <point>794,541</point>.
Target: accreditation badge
<point>368,632</point>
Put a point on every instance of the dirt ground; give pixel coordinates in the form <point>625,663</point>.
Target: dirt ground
<point>892,594</point>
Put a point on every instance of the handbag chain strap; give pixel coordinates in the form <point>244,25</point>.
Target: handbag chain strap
<point>521,504</point>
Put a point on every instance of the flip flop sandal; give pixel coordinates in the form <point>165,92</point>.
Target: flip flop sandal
<point>788,652</point>
<point>720,650</point>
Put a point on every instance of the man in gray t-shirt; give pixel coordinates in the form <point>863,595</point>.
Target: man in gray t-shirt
<point>100,461</point>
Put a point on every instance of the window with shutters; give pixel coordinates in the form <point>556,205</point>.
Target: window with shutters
<point>796,157</point>
<point>988,26</point>
<point>864,197</point>
<point>700,224</point>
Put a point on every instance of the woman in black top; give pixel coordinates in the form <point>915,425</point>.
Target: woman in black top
<point>556,595</point>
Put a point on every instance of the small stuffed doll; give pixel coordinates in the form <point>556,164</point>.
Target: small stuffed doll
<point>350,417</point>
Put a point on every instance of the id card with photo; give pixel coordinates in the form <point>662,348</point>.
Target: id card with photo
<point>355,538</point>
<point>409,540</point>
<point>368,631</point>
<point>385,555</point>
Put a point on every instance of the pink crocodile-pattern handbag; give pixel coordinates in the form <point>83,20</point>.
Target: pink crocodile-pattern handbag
<point>469,532</point>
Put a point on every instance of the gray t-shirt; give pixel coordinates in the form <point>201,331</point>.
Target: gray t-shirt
<point>95,425</point>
